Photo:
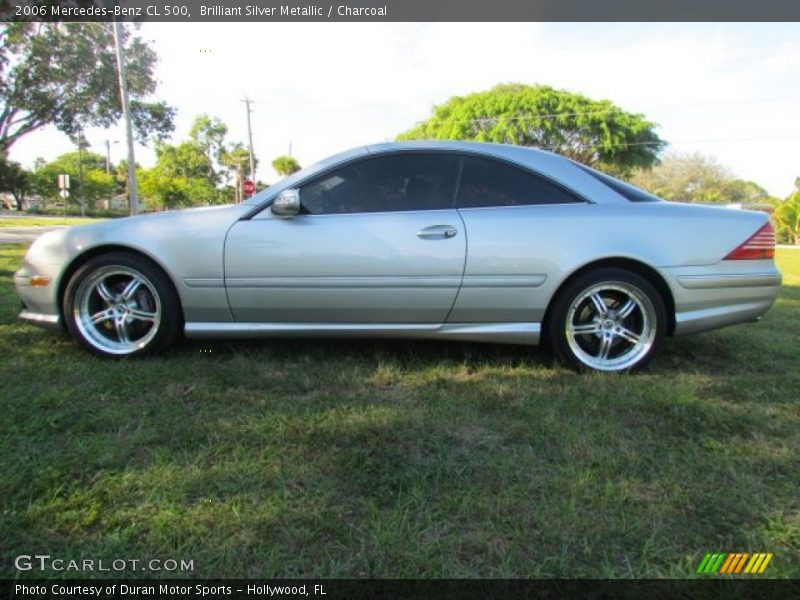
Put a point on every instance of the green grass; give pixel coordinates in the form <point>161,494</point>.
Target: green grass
<point>402,459</point>
<point>45,221</point>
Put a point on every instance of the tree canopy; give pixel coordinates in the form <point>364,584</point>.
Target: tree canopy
<point>787,219</point>
<point>209,134</point>
<point>182,176</point>
<point>14,179</point>
<point>191,172</point>
<point>237,160</point>
<point>593,132</point>
<point>65,74</point>
<point>97,184</point>
<point>696,178</point>
<point>285,165</point>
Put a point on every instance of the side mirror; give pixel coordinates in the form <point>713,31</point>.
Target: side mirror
<point>287,204</point>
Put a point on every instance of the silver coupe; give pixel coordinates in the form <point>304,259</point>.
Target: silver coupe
<point>445,240</point>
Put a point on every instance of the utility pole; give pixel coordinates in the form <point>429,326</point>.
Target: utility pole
<point>250,137</point>
<point>133,192</point>
<point>240,177</point>
<point>108,155</point>
<point>80,173</point>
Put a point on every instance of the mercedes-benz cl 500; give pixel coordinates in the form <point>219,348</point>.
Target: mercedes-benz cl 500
<point>445,240</point>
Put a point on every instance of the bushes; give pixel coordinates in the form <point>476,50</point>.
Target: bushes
<point>74,211</point>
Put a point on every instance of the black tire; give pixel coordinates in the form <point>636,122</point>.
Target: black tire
<point>110,316</point>
<point>609,319</point>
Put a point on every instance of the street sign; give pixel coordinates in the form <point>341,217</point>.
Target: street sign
<point>63,193</point>
<point>63,181</point>
<point>248,187</point>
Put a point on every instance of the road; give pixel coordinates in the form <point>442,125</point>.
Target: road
<point>23,235</point>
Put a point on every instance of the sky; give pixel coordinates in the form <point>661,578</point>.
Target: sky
<point>730,90</point>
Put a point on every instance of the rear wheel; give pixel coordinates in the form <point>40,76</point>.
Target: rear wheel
<point>121,304</point>
<point>607,320</point>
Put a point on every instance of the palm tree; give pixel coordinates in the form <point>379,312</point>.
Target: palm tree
<point>787,219</point>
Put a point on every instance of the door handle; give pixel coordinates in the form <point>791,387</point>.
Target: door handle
<point>437,232</point>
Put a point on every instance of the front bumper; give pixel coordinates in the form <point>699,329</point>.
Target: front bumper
<point>40,303</point>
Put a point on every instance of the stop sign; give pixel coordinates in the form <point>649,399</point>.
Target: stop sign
<point>248,187</point>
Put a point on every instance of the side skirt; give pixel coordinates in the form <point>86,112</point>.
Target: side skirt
<point>502,333</point>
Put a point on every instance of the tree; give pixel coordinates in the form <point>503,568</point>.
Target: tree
<point>209,133</point>
<point>787,220</point>
<point>186,159</point>
<point>192,172</point>
<point>97,184</point>
<point>697,178</point>
<point>593,132</point>
<point>285,165</point>
<point>14,179</point>
<point>163,190</point>
<point>65,74</point>
<point>187,174</point>
<point>237,160</point>
<point>181,177</point>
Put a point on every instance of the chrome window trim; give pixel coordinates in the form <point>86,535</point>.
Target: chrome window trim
<point>518,206</point>
<point>579,198</point>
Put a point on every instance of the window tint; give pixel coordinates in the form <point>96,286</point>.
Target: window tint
<point>631,192</point>
<point>384,183</point>
<point>493,183</point>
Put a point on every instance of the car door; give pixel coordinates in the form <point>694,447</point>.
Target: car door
<point>378,240</point>
<point>518,224</point>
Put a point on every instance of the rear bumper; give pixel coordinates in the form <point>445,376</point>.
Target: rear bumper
<point>707,319</point>
<point>730,280</point>
<point>731,292</point>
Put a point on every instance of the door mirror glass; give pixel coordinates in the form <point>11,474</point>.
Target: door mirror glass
<point>287,204</point>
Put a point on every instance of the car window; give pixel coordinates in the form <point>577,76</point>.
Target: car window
<point>487,182</point>
<point>384,183</point>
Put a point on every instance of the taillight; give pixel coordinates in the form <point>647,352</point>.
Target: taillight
<point>759,245</point>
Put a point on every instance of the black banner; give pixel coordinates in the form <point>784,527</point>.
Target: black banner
<point>401,10</point>
<point>410,589</point>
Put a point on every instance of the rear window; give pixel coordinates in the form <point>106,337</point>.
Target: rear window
<point>487,183</point>
<point>631,192</point>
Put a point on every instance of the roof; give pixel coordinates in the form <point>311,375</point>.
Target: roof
<point>546,163</point>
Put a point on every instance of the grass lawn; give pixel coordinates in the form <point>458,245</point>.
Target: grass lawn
<point>402,459</point>
<point>45,221</point>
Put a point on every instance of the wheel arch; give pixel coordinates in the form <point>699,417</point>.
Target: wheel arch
<point>90,253</point>
<point>629,264</point>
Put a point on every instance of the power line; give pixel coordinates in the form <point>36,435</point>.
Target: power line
<point>547,116</point>
<point>699,141</point>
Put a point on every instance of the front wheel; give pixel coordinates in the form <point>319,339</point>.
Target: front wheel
<point>120,304</point>
<point>607,320</point>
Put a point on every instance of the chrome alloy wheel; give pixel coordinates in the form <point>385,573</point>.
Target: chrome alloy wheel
<point>611,326</point>
<point>117,310</point>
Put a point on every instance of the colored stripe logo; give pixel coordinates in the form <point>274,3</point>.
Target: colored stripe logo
<point>735,563</point>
